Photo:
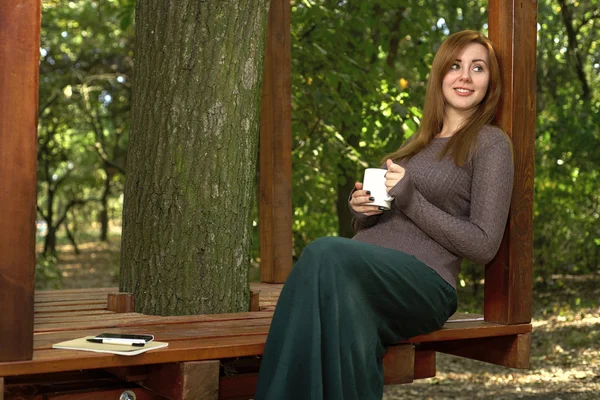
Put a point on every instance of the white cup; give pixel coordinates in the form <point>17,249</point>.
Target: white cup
<point>374,181</point>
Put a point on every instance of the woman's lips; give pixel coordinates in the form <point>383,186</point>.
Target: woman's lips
<point>463,91</point>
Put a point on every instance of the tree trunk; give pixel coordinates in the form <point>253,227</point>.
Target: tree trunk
<point>345,185</point>
<point>104,207</point>
<point>192,155</point>
<point>342,207</point>
<point>71,236</point>
<point>50,239</point>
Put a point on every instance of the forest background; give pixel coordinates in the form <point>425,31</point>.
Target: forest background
<point>359,70</point>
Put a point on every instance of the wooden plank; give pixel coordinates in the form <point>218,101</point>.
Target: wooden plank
<point>508,278</point>
<point>171,332</point>
<point>249,343</point>
<point>275,207</point>
<point>19,52</point>
<point>46,361</point>
<point>266,287</point>
<point>83,319</point>
<point>208,325</point>
<point>165,333</point>
<point>99,295</point>
<point>507,351</point>
<point>1,388</point>
<point>470,330</point>
<point>69,308</point>
<point>71,297</point>
<point>185,381</point>
<point>41,318</point>
<point>64,322</point>
<point>399,364</point>
<point>52,292</point>
<point>62,303</point>
<point>74,294</point>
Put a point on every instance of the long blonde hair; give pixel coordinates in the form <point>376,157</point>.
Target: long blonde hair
<point>461,143</point>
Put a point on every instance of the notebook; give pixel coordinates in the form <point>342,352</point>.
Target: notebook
<point>123,350</point>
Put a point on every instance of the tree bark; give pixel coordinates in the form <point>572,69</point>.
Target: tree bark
<point>192,155</point>
<point>104,206</point>
<point>50,240</point>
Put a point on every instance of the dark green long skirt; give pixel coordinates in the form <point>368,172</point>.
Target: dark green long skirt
<point>343,303</point>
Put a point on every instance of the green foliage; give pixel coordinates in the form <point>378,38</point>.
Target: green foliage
<point>567,193</point>
<point>85,69</point>
<point>47,273</point>
<point>359,71</point>
<point>358,79</point>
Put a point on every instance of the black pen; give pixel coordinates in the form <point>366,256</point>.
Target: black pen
<point>116,341</point>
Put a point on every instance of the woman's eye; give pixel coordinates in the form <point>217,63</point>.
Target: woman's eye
<point>455,66</point>
<point>478,68</point>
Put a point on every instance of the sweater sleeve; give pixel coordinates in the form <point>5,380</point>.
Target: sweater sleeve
<point>360,220</point>
<point>478,237</point>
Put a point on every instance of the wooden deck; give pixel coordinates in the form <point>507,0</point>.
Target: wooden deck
<point>68,314</point>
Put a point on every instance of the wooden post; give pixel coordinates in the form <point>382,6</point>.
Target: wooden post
<point>185,381</point>
<point>399,364</point>
<point>276,149</point>
<point>508,278</point>
<point>19,52</point>
<point>254,300</point>
<point>120,302</point>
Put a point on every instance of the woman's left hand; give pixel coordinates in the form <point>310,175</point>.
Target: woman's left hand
<point>394,175</point>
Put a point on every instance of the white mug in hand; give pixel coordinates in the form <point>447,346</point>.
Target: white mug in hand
<point>374,182</point>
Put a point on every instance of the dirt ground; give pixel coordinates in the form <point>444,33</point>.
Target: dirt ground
<point>565,350</point>
<point>565,354</point>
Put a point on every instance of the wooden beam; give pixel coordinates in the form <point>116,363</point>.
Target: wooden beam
<point>19,52</point>
<point>275,206</point>
<point>185,381</point>
<point>507,351</point>
<point>508,278</point>
<point>425,364</point>
<point>237,387</point>
<point>135,373</point>
<point>399,364</point>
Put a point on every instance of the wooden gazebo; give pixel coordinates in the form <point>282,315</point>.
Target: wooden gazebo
<point>503,338</point>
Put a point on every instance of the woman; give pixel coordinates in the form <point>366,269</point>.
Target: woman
<point>346,300</point>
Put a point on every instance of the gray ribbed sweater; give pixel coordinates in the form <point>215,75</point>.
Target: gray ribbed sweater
<point>442,212</point>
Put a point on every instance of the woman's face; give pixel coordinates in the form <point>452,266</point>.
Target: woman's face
<point>464,86</point>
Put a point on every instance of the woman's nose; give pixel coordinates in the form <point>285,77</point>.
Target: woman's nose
<point>465,75</point>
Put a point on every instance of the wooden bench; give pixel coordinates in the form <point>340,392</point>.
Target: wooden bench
<point>215,355</point>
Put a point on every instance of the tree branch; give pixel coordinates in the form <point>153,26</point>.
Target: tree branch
<point>39,209</point>
<point>71,204</point>
<point>395,38</point>
<point>48,104</point>
<point>573,49</point>
<point>585,21</point>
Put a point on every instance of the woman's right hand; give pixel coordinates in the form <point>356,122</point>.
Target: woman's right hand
<point>359,201</point>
